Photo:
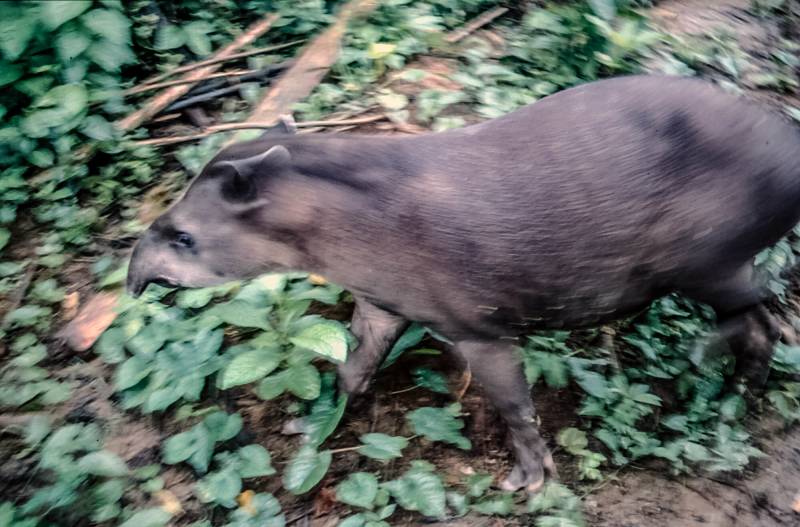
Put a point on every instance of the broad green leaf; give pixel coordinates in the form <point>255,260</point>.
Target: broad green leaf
<point>250,366</point>
<point>263,510</point>
<point>196,34</point>
<point>605,9</point>
<point>439,424</point>
<point>306,469</point>
<point>573,440</point>
<point>110,55</point>
<point>155,517</point>
<point>421,491</point>
<point>17,27</point>
<point>358,490</point>
<point>478,484</point>
<point>328,339</point>
<point>98,128</point>
<point>382,446</point>
<point>53,13</point>
<point>430,379</point>
<point>501,505</point>
<point>223,426</point>
<point>220,487</point>
<point>194,446</point>
<point>410,338</point>
<point>195,298</point>
<point>256,461</point>
<point>110,24</point>
<point>103,463</point>
<point>242,314</point>
<point>8,74</point>
<point>326,412</point>
<point>131,372</point>
<point>272,386</point>
<point>303,380</point>
<point>170,36</point>
<point>161,399</point>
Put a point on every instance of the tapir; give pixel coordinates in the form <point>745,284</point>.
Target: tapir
<point>576,210</point>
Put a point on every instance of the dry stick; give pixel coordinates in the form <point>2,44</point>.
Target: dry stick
<point>475,24</point>
<point>309,69</point>
<point>166,84</point>
<point>165,98</point>
<point>216,60</point>
<point>227,127</point>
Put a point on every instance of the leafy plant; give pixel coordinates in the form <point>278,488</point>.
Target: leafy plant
<point>439,424</point>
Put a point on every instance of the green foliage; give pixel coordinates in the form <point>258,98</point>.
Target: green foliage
<point>262,511</point>
<point>196,446</point>
<point>306,469</point>
<point>556,506</point>
<point>419,489</point>
<point>440,424</point>
<point>576,443</point>
<point>360,489</point>
<point>382,447</point>
<point>223,485</point>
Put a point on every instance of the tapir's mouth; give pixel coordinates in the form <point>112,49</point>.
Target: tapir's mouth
<point>136,287</point>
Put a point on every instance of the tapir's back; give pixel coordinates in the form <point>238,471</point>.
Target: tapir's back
<point>608,194</point>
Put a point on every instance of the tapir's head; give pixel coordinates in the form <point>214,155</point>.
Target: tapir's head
<point>215,232</point>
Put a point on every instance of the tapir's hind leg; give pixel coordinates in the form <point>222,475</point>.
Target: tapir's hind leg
<point>743,320</point>
<point>498,368</point>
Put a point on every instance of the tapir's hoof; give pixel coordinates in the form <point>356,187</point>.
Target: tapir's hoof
<point>530,477</point>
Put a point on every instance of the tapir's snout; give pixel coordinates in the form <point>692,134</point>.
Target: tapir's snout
<point>142,271</point>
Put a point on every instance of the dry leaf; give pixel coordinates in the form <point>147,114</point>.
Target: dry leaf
<point>317,279</point>
<point>169,502</point>
<point>245,501</point>
<point>92,320</point>
<point>69,306</point>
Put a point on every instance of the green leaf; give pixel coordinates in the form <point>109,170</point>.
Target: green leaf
<point>110,24</point>
<point>380,50</point>
<point>382,446</point>
<point>501,505</point>
<point>53,13</point>
<point>103,463</point>
<point>110,55</point>
<point>358,490</point>
<point>154,517</point>
<point>242,314</point>
<point>328,339</point>
<point>303,380</point>
<point>326,412</point>
<point>222,426</point>
<point>419,490</point>
<point>5,235</point>
<point>250,366</point>
<point>432,380</point>
<point>195,298</point>
<point>733,407</point>
<point>272,386</point>
<point>439,424</point>
<point>96,127</point>
<point>392,101</point>
<point>478,484</point>
<point>410,338</point>
<point>8,74</point>
<point>17,27</point>
<point>169,37</point>
<point>573,440</point>
<point>197,37</point>
<point>220,487</point>
<point>306,469</point>
<point>130,373</point>
<point>605,9</point>
<point>195,446</point>
<point>263,511</point>
<point>256,461</point>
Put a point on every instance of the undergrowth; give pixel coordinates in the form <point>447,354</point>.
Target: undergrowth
<point>650,388</point>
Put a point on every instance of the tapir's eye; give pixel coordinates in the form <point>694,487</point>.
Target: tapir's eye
<point>184,239</point>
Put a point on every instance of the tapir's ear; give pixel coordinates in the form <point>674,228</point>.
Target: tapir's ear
<point>242,184</point>
<point>285,126</point>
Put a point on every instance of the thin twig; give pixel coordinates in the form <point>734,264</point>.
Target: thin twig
<point>476,23</point>
<point>170,95</point>
<point>217,60</point>
<point>166,84</point>
<point>227,127</point>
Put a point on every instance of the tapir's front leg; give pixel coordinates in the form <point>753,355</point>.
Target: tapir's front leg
<point>376,330</point>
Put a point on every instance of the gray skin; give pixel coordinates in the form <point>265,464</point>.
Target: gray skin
<point>574,211</point>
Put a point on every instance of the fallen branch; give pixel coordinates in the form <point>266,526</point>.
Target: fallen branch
<point>474,25</point>
<point>247,125</point>
<point>166,84</point>
<point>170,95</point>
<point>309,69</point>
<point>218,60</point>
